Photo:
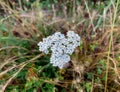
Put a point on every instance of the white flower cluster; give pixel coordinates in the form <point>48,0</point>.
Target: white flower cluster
<point>60,46</point>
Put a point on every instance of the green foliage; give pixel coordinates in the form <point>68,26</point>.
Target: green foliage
<point>3,28</point>
<point>32,85</point>
<point>90,75</point>
<point>88,86</point>
<point>93,46</point>
<point>48,88</point>
<point>81,45</point>
<point>48,3</point>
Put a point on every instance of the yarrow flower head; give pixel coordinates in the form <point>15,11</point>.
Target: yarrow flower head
<point>60,46</point>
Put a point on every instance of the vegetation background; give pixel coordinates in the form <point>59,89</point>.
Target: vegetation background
<point>94,66</point>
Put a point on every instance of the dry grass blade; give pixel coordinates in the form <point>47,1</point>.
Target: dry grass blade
<point>110,42</point>
<point>21,66</point>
